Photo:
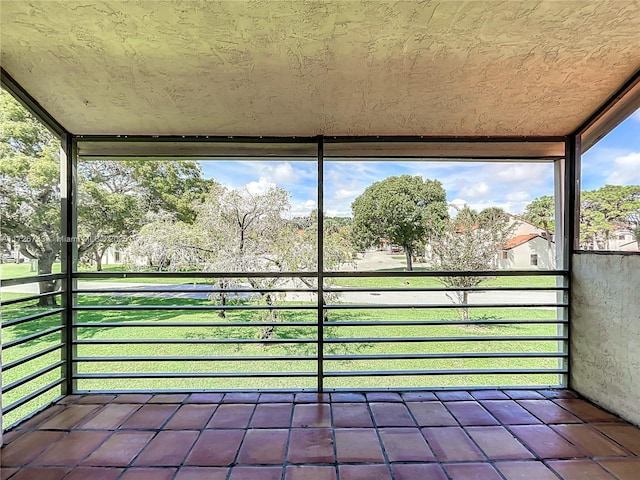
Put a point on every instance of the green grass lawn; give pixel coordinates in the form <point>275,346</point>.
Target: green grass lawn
<point>20,270</point>
<point>333,329</point>
<point>13,270</point>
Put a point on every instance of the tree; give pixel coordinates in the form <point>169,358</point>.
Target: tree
<point>606,207</point>
<point>469,242</point>
<point>113,195</point>
<point>233,231</point>
<point>237,231</point>
<point>301,252</point>
<point>30,188</point>
<point>116,198</point>
<point>541,213</point>
<point>401,210</point>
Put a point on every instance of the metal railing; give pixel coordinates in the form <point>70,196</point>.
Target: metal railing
<point>270,331</point>
<point>359,337</point>
<point>33,349</point>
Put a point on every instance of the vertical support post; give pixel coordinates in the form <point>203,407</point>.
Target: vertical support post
<point>570,232</point>
<point>69,255</point>
<point>320,250</point>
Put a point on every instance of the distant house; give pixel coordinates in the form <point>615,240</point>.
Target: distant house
<point>528,248</point>
<point>623,239</point>
<point>525,251</point>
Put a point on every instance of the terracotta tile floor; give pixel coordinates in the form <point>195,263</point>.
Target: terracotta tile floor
<point>465,435</point>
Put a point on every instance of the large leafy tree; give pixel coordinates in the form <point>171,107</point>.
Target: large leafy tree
<point>402,210</point>
<point>117,197</point>
<point>29,188</point>
<point>601,211</point>
<point>604,209</point>
<point>114,197</point>
<point>469,242</point>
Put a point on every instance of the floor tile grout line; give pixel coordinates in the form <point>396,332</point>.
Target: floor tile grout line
<point>543,422</point>
<point>617,442</point>
<point>589,426</point>
<point>334,442</point>
<point>287,444</point>
<point>244,436</point>
<point>68,432</point>
<point>506,426</point>
<point>463,429</point>
<point>378,436</point>
<point>415,420</point>
<point>591,404</point>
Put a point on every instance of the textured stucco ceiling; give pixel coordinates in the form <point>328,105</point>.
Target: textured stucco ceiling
<point>334,68</point>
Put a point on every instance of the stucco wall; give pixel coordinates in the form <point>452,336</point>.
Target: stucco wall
<point>605,331</point>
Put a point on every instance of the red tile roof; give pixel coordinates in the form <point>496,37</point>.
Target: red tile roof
<point>519,240</point>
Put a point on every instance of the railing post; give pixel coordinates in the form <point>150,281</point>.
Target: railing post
<point>69,255</point>
<point>570,205</point>
<point>320,250</point>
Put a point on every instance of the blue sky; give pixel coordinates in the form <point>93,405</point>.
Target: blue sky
<point>614,160</point>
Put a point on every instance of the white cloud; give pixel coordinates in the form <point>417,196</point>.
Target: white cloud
<point>626,170</point>
<point>636,115</point>
<point>281,173</point>
<point>525,173</point>
<point>519,196</point>
<point>301,208</point>
<point>333,212</point>
<point>346,194</point>
<point>475,190</point>
<point>260,187</point>
<point>478,205</point>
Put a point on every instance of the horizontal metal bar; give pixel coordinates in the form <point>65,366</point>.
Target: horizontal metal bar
<point>29,318</point>
<point>32,376</point>
<point>443,289</point>
<point>173,341</point>
<point>429,323</point>
<point>11,282</point>
<point>162,324</point>
<point>448,273</point>
<point>441,138</point>
<point>354,323</point>
<point>470,388</point>
<point>157,391</point>
<point>326,274</point>
<point>394,373</point>
<point>191,307</point>
<point>33,356</point>
<point>444,339</point>
<point>326,390</point>
<point>349,306</point>
<point>396,306</point>
<point>326,139</point>
<point>28,338</point>
<point>258,358</point>
<point>32,396</point>
<point>30,298</point>
<point>158,275</point>
<point>194,290</point>
<point>231,139</point>
<point>442,156</point>
<point>436,356</point>
<point>114,375</point>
